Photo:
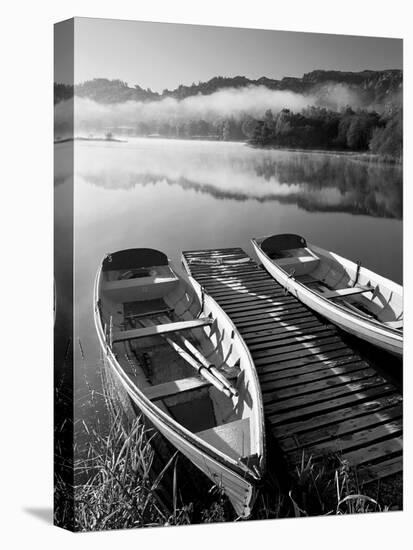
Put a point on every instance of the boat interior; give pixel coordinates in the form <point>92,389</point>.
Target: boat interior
<point>345,283</point>
<point>175,351</point>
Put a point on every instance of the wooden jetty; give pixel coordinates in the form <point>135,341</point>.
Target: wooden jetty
<point>320,397</point>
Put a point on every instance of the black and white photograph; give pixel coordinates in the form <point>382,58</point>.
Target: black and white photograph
<point>228,274</point>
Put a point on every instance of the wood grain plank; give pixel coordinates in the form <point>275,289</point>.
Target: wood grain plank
<point>243,288</point>
<point>337,386</point>
<point>335,353</point>
<point>315,345</point>
<point>342,428</point>
<point>216,280</point>
<point>312,371</point>
<point>263,281</point>
<point>242,316</point>
<point>313,382</point>
<point>258,344</point>
<point>317,421</point>
<point>220,266</point>
<point>277,316</point>
<point>371,472</point>
<point>224,271</point>
<point>376,451</point>
<point>257,304</point>
<point>325,394</point>
<point>211,251</point>
<point>360,442</point>
<point>239,298</point>
<point>319,352</point>
<point>313,410</point>
<point>300,326</point>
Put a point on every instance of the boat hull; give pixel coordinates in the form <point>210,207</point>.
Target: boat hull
<point>373,333</point>
<point>234,480</point>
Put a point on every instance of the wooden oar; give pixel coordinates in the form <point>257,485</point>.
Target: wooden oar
<point>207,364</point>
<point>210,366</point>
<point>200,368</point>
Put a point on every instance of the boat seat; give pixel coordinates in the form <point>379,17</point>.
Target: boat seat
<point>150,313</point>
<point>232,438</point>
<point>299,262</point>
<point>343,292</point>
<point>137,282</point>
<point>168,389</point>
<point>308,280</point>
<point>161,329</point>
<point>139,288</point>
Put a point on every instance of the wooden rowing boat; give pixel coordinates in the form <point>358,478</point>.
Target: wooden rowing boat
<point>354,298</point>
<point>185,366</point>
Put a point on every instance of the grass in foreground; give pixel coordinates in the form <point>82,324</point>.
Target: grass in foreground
<point>118,488</point>
<point>121,492</point>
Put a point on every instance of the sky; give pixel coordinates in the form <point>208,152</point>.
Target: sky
<point>162,55</point>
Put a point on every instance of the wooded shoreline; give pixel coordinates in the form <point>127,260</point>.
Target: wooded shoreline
<point>364,156</point>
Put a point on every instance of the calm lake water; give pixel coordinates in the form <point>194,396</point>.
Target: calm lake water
<point>181,195</point>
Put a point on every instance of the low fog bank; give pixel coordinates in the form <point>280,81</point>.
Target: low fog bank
<point>208,112</point>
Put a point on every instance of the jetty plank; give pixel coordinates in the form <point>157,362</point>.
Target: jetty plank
<point>366,445</point>
<point>385,468</point>
<point>333,355</point>
<point>281,340</point>
<point>316,422</point>
<point>312,371</point>
<point>282,389</point>
<point>343,428</point>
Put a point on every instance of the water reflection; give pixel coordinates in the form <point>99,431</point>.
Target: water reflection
<point>315,182</point>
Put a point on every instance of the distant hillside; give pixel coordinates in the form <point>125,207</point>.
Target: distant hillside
<point>372,87</point>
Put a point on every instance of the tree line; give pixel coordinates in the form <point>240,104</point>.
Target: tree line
<point>320,128</point>
<point>312,128</point>
<point>221,128</point>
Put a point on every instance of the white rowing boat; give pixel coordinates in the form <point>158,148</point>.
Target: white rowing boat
<point>185,366</point>
<point>354,298</point>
